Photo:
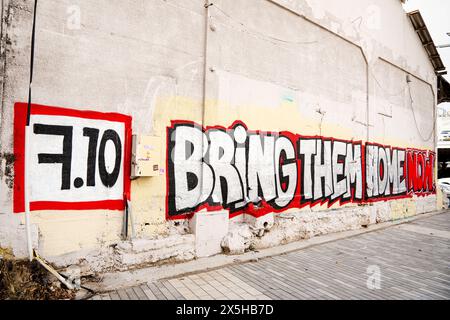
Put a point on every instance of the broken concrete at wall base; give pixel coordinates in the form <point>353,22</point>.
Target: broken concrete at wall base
<point>116,280</point>
<point>243,233</point>
<point>242,236</point>
<point>238,240</point>
<point>142,251</point>
<point>289,227</point>
<point>130,254</point>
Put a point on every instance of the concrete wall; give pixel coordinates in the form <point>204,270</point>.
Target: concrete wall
<point>294,66</point>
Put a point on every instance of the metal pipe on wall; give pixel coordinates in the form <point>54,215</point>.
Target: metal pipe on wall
<point>27,141</point>
<point>207,5</point>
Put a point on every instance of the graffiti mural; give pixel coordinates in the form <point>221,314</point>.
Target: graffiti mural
<point>258,172</point>
<point>78,160</point>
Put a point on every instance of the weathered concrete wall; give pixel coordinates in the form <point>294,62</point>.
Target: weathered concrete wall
<point>297,67</point>
<point>144,59</point>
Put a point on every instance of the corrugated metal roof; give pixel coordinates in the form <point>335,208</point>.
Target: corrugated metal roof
<point>427,41</point>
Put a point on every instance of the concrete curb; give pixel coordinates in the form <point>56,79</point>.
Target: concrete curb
<point>115,280</point>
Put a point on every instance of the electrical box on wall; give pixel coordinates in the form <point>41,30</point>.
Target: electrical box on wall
<point>146,156</point>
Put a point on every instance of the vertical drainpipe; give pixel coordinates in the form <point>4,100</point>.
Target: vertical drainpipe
<point>205,53</point>
<point>205,76</point>
<point>367,115</point>
<point>27,142</point>
<point>368,96</point>
<point>27,198</point>
<point>436,141</point>
<point>366,60</point>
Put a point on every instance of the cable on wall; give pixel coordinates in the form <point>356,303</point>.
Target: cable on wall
<point>33,40</point>
<point>260,34</point>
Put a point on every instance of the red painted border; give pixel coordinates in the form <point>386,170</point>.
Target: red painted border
<point>297,203</point>
<point>264,208</point>
<point>20,115</point>
<point>91,205</point>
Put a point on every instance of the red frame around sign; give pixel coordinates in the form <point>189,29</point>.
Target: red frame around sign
<point>20,118</point>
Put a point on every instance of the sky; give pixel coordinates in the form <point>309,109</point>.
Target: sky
<point>436,14</point>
